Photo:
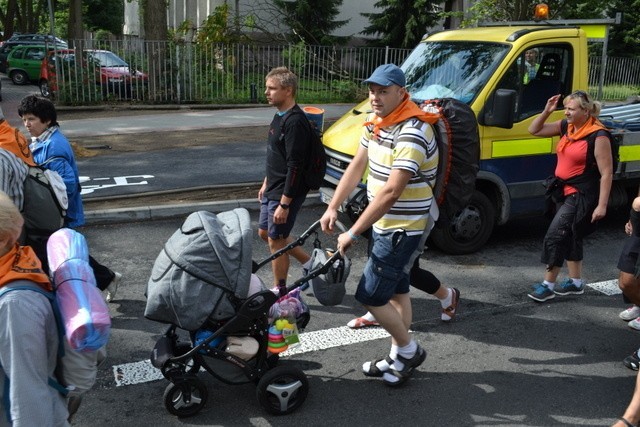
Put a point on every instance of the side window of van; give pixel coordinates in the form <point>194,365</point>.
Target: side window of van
<point>538,73</point>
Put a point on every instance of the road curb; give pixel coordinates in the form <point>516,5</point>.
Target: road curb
<point>147,213</point>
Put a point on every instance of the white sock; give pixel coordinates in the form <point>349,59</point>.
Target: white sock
<point>446,301</point>
<point>383,365</point>
<point>370,317</point>
<point>577,282</point>
<point>307,264</point>
<point>550,285</point>
<point>408,351</point>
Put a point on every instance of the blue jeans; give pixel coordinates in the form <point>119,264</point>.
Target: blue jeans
<point>387,270</point>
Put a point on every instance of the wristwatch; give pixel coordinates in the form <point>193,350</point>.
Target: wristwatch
<point>284,206</point>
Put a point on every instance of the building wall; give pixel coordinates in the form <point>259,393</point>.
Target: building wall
<point>198,10</point>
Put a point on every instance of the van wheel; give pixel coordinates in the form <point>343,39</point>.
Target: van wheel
<point>469,229</point>
<point>19,78</point>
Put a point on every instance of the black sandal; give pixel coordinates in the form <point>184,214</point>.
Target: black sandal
<point>626,423</point>
<point>374,371</point>
<point>409,365</point>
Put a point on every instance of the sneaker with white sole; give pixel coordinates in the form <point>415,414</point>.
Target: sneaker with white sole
<point>569,287</point>
<point>632,362</point>
<point>113,287</point>
<point>541,293</point>
<point>635,324</point>
<point>630,313</point>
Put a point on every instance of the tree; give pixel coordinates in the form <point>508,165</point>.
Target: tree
<point>154,25</point>
<point>522,10</point>
<point>624,39</point>
<point>24,16</point>
<point>104,15</point>
<point>75,29</point>
<point>154,19</point>
<point>401,23</point>
<point>313,21</point>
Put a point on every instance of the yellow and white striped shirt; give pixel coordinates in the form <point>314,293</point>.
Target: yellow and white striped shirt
<point>410,145</point>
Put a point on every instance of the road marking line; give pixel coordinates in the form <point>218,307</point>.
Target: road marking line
<point>608,287</point>
<point>144,371</point>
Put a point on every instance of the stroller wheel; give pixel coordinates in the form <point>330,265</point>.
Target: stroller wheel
<point>192,366</point>
<point>188,366</point>
<point>186,397</point>
<point>282,390</point>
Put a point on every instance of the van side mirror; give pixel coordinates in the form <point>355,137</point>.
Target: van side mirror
<point>499,109</point>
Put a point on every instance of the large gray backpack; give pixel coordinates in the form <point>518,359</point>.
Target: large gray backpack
<point>203,271</point>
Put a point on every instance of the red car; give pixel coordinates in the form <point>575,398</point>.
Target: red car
<point>111,73</point>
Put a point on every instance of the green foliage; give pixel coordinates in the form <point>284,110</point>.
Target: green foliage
<point>401,23</point>
<point>295,57</point>
<point>218,28</point>
<point>616,92</point>
<point>624,39</point>
<point>103,15</point>
<point>313,21</point>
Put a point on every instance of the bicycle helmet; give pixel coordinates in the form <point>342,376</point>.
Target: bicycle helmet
<point>329,287</point>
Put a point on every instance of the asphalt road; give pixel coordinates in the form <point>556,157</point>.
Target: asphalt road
<point>506,361</point>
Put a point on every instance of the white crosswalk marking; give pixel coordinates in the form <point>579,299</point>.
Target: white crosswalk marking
<point>608,287</point>
<point>143,371</point>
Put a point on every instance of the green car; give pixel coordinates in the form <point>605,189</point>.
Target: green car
<point>23,63</point>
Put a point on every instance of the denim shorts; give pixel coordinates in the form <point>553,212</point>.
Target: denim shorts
<point>268,208</point>
<point>387,270</point>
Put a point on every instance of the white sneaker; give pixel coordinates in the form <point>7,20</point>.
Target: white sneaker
<point>635,324</point>
<point>630,313</point>
<point>113,287</point>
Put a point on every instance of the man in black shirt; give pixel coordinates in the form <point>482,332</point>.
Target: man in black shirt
<point>283,190</point>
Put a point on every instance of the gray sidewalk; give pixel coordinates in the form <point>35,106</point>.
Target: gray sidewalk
<point>185,118</point>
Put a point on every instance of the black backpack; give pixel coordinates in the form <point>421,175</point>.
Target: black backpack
<point>316,165</point>
<point>591,145</point>
<point>456,133</point>
<point>45,200</point>
<point>459,155</point>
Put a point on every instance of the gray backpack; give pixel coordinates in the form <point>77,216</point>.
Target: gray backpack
<point>45,200</point>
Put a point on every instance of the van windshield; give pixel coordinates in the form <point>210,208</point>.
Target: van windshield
<point>451,69</point>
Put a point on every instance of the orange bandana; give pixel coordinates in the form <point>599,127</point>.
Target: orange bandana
<point>406,110</point>
<point>590,126</point>
<point>13,141</point>
<point>21,263</point>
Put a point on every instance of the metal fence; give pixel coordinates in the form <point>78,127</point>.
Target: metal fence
<point>189,73</point>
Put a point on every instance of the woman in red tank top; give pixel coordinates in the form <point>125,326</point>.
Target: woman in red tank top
<point>585,191</point>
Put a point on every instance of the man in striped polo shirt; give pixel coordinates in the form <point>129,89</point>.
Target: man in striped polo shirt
<point>399,147</point>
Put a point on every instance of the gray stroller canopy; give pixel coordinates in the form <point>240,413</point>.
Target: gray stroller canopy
<point>203,265</point>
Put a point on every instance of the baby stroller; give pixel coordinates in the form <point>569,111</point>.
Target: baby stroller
<point>202,283</point>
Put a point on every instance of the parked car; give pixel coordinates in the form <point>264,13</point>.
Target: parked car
<point>27,39</point>
<point>112,74</point>
<point>116,76</point>
<point>35,38</point>
<point>23,63</point>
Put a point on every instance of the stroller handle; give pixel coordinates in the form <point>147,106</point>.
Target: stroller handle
<point>299,242</point>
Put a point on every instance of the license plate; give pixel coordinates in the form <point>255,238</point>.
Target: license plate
<point>325,197</point>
